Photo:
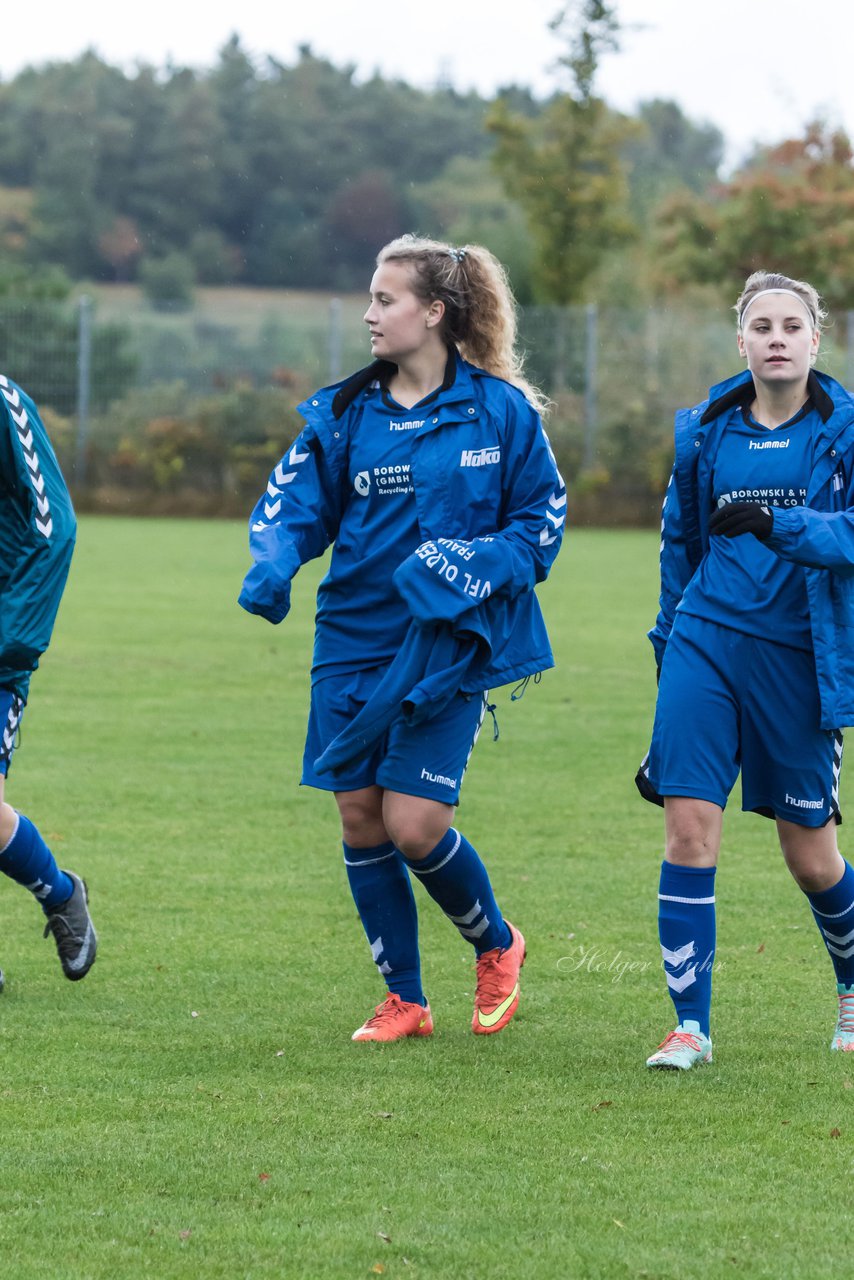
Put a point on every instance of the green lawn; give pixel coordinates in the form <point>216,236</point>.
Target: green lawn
<point>196,1108</point>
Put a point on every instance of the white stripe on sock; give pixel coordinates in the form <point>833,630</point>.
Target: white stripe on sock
<point>668,897</point>
<point>825,915</point>
<point>439,865</point>
<point>369,862</point>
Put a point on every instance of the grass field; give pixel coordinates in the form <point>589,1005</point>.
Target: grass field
<point>195,1108</point>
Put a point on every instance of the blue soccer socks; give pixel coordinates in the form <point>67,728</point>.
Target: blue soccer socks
<point>382,892</point>
<point>27,860</point>
<point>834,914</point>
<point>686,930</point>
<point>456,879</point>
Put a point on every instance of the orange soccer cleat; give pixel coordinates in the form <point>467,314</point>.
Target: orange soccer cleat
<point>395,1019</point>
<point>497,996</point>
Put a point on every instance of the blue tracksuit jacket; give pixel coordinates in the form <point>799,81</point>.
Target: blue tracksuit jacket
<point>37,532</point>
<point>481,469</point>
<point>819,535</point>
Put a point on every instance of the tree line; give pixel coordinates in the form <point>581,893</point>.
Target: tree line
<point>266,174</point>
<point>261,173</point>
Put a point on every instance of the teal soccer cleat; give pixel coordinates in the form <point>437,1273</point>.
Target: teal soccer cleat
<point>682,1049</point>
<point>843,1036</point>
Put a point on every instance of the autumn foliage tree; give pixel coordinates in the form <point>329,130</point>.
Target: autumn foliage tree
<point>790,209</point>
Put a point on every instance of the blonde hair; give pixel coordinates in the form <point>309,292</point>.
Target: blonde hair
<point>763,281</point>
<point>480,310</point>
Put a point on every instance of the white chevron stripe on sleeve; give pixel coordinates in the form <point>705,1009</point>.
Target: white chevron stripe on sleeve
<point>18,414</point>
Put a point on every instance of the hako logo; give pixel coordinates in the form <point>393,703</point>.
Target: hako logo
<point>362,483</point>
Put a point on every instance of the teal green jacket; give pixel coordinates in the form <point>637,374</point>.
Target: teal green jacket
<point>37,532</point>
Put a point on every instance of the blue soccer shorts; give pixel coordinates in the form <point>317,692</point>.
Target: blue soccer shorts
<point>730,701</point>
<point>427,759</point>
<point>11,710</point>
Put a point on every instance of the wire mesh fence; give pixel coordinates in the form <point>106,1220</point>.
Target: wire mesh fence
<point>139,400</point>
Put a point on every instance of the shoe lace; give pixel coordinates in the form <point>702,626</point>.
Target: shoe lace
<point>390,1009</point>
<point>489,977</point>
<point>676,1040</point>
<point>63,932</point>
<point>846,1013</point>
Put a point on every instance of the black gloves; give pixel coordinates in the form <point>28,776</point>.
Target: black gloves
<point>734,518</point>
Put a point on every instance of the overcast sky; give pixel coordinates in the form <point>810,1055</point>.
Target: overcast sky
<point>758,69</point>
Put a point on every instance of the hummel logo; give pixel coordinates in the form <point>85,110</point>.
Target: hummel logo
<point>798,803</point>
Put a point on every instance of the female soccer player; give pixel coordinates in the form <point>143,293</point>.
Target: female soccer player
<point>431,473</point>
<point>37,530</point>
<point>754,643</point>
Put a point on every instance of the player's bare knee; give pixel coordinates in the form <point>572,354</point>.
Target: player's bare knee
<point>361,819</point>
<point>414,836</point>
<point>814,868</point>
<point>691,845</point>
<point>692,832</point>
<point>415,824</point>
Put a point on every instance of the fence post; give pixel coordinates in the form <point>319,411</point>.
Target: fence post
<point>591,316</point>
<point>336,340</point>
<point>84,375</point>
<point>559,373</point>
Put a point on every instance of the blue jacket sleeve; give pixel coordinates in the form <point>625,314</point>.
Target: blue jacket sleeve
<point>676,567</point>
<point>39,530</point>
<point>816,539</point>
<point>534,505</point>
<point>294,521</point>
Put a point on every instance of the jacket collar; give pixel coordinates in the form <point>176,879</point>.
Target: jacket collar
<point>740,390</point>
<point>381,371</point>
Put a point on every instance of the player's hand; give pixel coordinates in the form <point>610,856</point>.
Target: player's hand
<point>735,518</point>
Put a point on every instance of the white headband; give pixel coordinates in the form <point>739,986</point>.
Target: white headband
<point>762,292</point>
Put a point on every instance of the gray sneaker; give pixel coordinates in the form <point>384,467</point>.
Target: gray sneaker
<point>73,931</point>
